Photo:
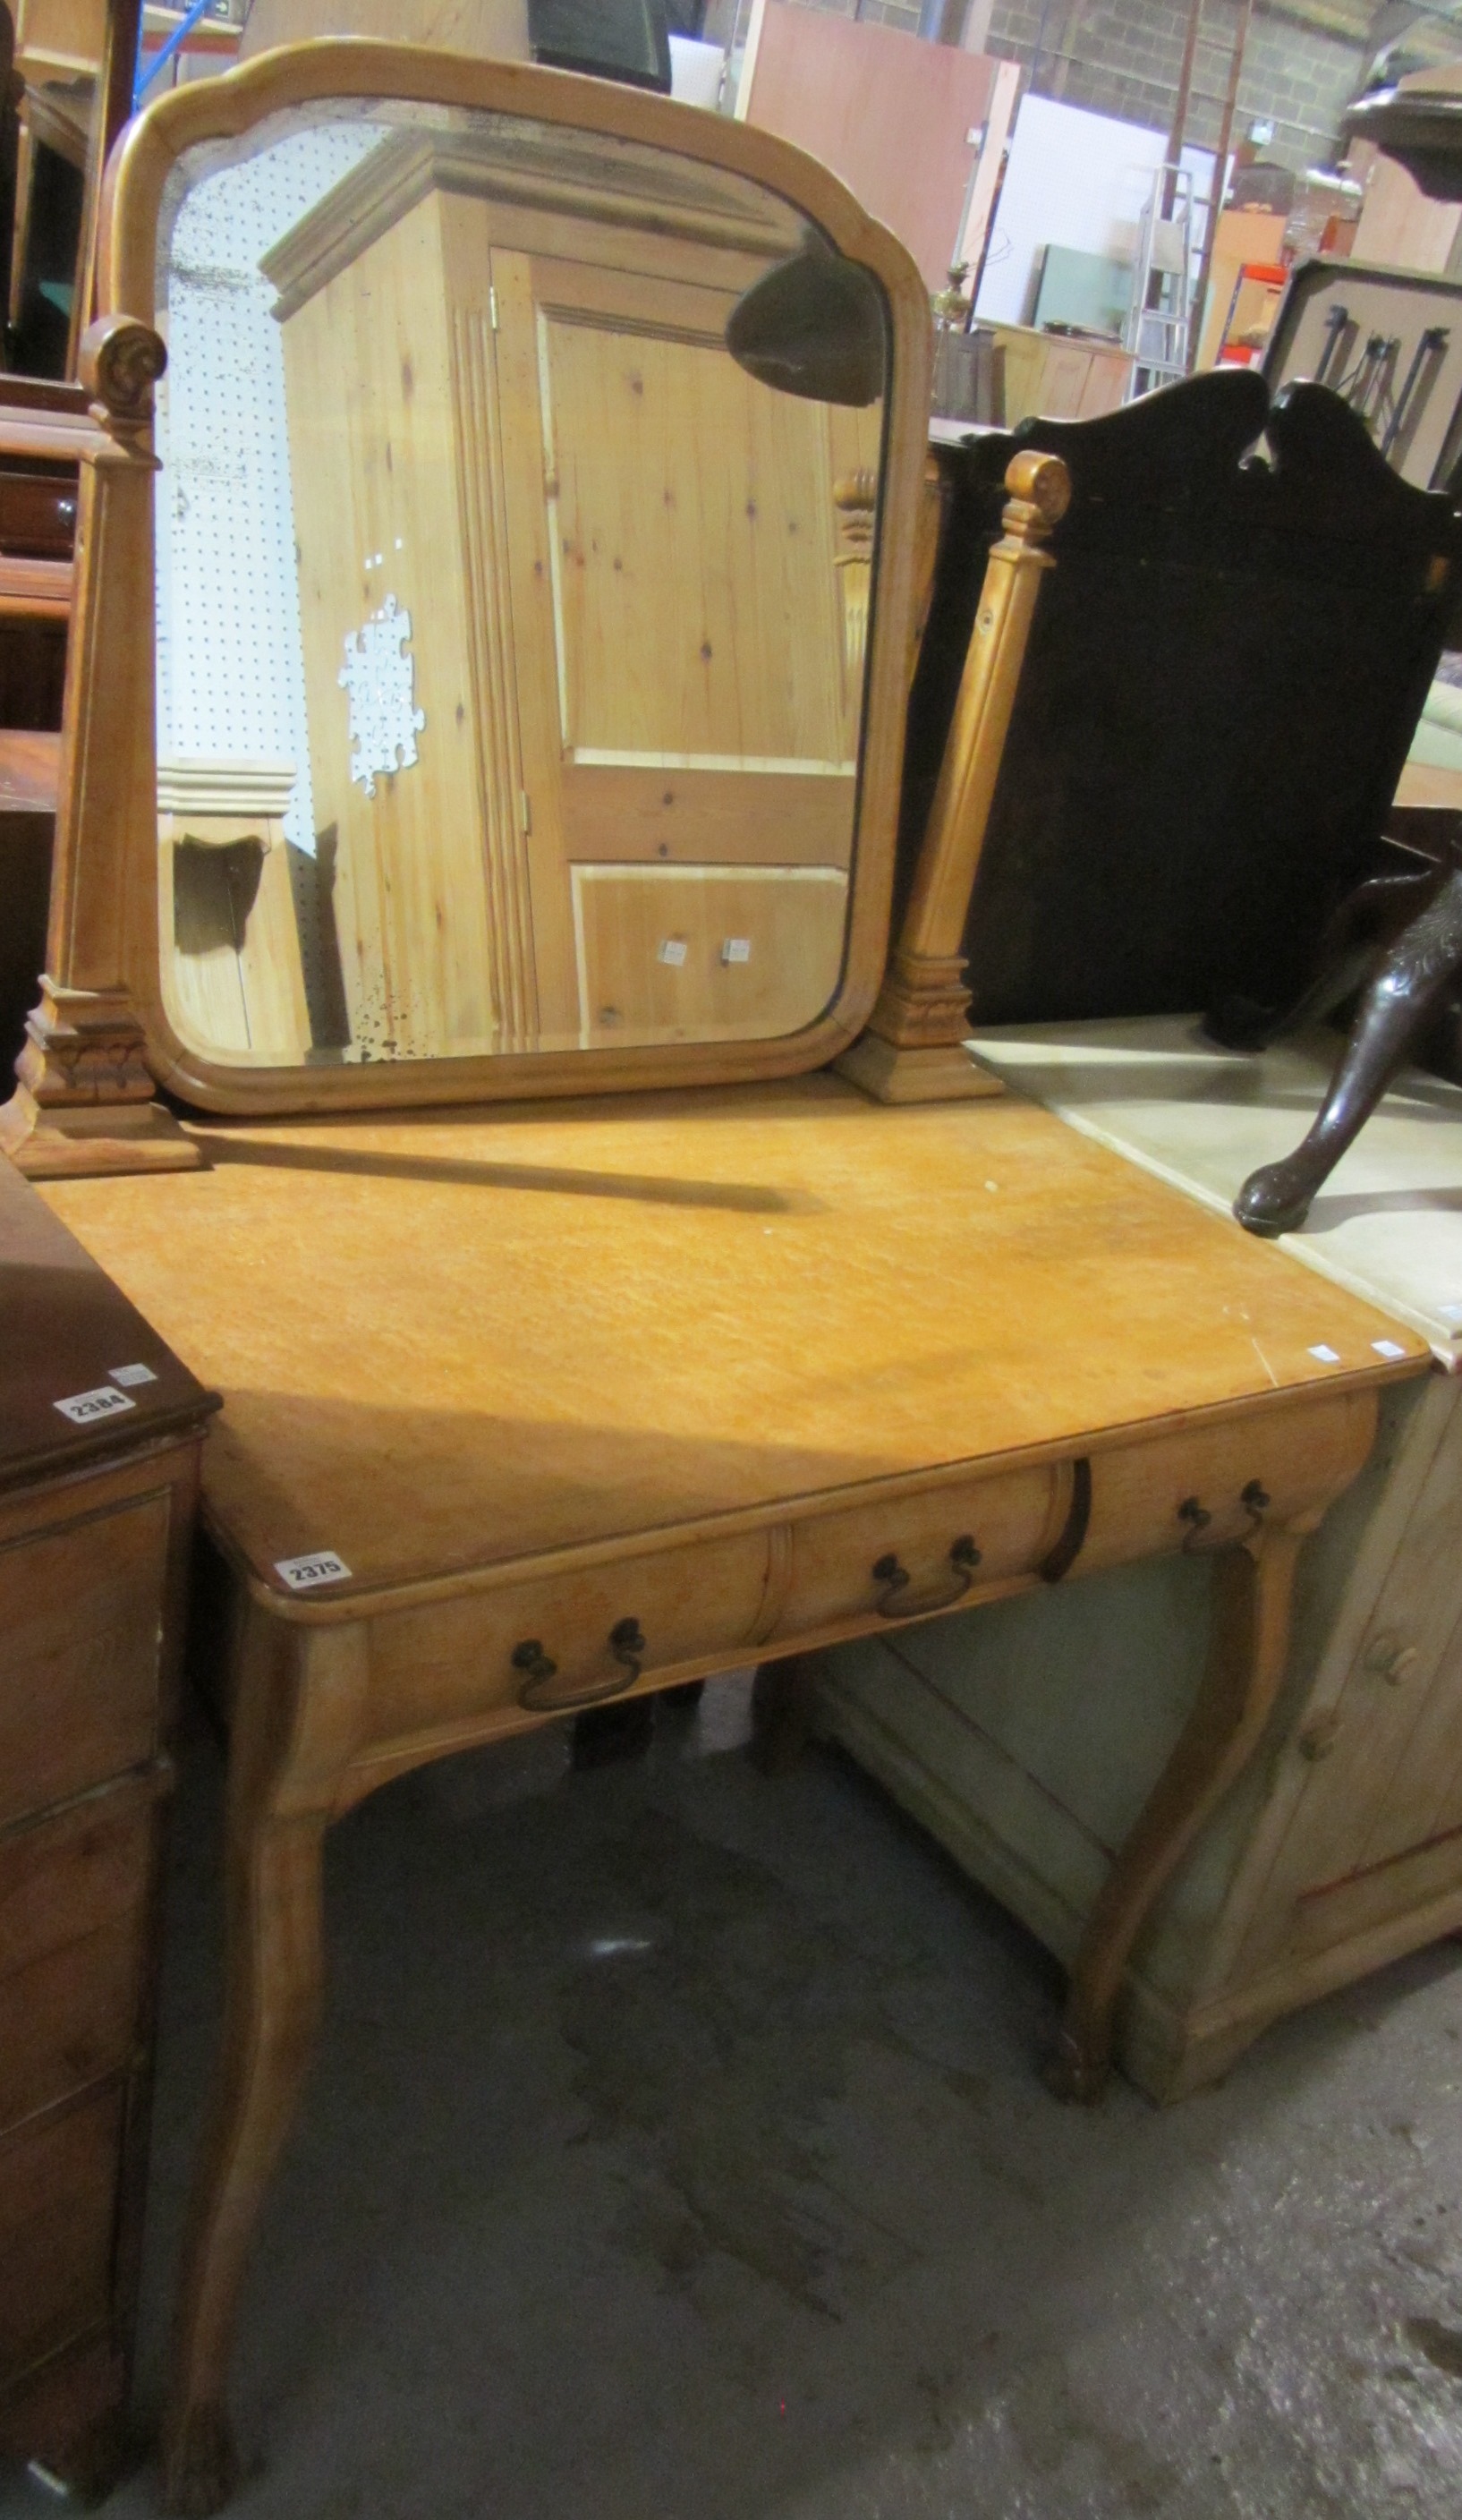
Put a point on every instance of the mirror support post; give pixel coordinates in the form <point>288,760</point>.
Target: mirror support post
<point>84,1099</point>
<point>914,1048</point>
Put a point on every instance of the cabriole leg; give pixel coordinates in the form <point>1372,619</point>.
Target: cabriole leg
<point>1253,1584</point>
<point>1404,993</point>
<point>281,1790</point>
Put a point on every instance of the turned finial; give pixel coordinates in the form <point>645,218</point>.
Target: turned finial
<point>1039,482</point>
<point>120,362</point>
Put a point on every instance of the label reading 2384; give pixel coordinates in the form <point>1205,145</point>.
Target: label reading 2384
<point>85,1407</point>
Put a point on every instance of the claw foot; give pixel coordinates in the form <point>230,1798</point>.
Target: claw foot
<point>199,2465</point>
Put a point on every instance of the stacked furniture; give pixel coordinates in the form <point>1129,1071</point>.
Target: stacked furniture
<point>557,1370</point>
<point>100,1435</point>
<point>39,462</point>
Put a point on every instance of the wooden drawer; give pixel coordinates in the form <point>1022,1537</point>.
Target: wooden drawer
<point>80,1642</point>
<point>37,512</point>
<point>57,2214</point>
<point>690,1606</point>
<point>73,1915</point>
<point>841,1570</point>
<point>1294,1458</point>
<point>705,953</point>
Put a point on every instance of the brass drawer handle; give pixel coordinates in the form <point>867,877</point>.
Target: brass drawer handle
<point>538,1695</point>
<point>895,1579</point>
<point>1197,1517</point>
<point>1254,1498</point>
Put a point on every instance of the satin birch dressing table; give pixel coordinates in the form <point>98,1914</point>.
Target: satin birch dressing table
<point>581,1329</point>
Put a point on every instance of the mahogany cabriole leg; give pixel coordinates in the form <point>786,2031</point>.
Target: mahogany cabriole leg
<point>1412,977</point>
<point>293,1719</point>
<point>1253,1584</point>
<point>1347,954</point>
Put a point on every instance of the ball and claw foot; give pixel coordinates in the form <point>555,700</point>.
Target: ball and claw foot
<point>1074,2072</point>
<point>1276,1199</point>
<point>199,2465</point>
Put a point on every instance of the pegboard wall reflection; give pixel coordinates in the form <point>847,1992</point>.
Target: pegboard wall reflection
<point>230,657</point>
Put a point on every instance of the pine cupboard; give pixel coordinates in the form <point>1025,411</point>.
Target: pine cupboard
<point>627,816</point>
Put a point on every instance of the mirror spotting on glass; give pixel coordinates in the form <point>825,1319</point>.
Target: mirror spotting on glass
<point>514,556</point>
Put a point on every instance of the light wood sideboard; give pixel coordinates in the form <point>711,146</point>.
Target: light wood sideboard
<point>1026,1737</point>
<point>96,1514</point>
<point>568,1405</point>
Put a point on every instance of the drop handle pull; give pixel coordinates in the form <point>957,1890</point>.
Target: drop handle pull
<point>1256,1502</point>
<point>894,1599</point>
<point>538,1695</point>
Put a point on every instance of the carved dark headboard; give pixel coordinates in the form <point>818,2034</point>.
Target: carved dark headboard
<point>1225,673</point>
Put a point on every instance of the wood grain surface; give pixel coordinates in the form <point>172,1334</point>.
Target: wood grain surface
<point>28,764</point>
<point>450,1341</point>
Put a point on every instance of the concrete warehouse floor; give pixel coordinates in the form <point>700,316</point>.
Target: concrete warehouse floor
<point>676,2152</point>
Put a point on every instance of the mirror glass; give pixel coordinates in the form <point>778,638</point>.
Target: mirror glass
<point>512,632</point>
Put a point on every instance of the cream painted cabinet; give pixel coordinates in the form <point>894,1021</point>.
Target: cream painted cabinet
<point>594,569</point>
<point>1026,1736</point>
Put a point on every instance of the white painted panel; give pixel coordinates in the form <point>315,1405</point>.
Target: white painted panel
<point>1076,179</point>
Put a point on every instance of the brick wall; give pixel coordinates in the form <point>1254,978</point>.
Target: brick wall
<point>1122,57</point>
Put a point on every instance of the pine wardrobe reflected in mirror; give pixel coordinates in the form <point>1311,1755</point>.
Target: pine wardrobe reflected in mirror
<point>521,520</point>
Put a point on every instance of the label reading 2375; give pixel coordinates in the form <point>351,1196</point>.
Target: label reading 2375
<point>302,1574</point>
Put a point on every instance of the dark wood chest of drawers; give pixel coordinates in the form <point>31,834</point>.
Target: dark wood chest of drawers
<point>100,1435</point>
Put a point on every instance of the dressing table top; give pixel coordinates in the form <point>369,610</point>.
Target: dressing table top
<point>450,1340</point>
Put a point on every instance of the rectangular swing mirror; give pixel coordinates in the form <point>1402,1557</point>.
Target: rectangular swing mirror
<point>533,584</point>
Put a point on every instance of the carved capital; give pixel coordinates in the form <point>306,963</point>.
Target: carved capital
<point>120,361</point>
<point>83,1101</point>
<point>924,1000</point>
<point>855,499</point>
<point>83,1046</point>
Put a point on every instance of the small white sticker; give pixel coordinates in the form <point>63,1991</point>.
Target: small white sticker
<point>1451,1312</point>
<point>736,949</point>
<point>85,1405</point>
<point>673,951</point>
<point>302,1574</point>
<point>128,1375</point>
<point>1387,1347</point>
<point>1324,1354</point>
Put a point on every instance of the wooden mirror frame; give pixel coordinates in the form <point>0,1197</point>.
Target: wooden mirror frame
<point>100,1042</point>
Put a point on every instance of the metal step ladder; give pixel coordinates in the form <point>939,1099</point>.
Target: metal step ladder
<point>1161,310</point>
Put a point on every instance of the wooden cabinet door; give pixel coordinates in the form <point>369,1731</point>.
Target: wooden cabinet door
<point>385,528</point>
<point>683,691</point>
